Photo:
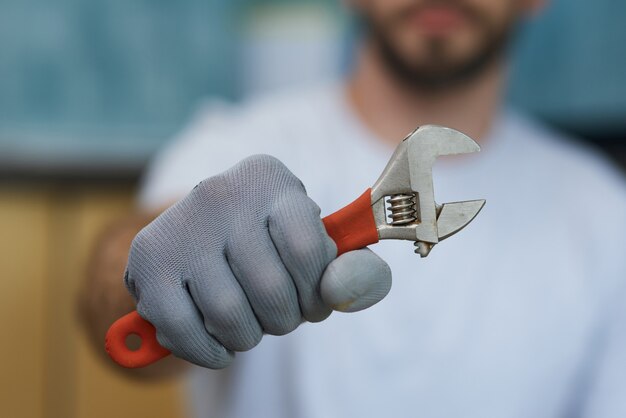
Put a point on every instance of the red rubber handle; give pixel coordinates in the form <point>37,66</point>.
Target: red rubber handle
<point>148,352</point>
<point>351,228</point>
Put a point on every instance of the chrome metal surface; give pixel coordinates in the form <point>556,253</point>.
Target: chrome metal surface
<point>407,185</point>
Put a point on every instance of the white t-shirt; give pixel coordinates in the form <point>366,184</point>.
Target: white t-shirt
<point>521,314</point>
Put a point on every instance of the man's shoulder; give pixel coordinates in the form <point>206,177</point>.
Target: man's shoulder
<point>268,113</point>
<point>220,134</point>
<point>562,153</point>
<point>577,189</point>
<point>279,124</point>
<point>578,184</point>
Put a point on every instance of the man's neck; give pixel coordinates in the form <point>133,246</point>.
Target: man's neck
<point>391,110</point>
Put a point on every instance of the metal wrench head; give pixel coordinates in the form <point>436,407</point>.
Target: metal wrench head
<point>406,184</point>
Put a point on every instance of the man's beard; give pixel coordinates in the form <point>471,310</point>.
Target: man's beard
<point>435,72</point>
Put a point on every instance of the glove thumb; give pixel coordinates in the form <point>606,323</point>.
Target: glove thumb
<point>355,281</point>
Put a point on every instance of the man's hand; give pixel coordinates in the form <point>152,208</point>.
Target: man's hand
<point>245,253</point>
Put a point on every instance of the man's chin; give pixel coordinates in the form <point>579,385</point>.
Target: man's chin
<point>440,65</point>
<point>435,81</point>
<point>434,72</point>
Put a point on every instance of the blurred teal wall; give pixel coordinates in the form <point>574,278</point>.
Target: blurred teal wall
<point>108,81</point>
<point>109,62</point>
<point>570,66</point>
<point>107,77</point>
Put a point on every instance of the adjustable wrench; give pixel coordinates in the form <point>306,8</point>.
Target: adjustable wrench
<point>405,184</point>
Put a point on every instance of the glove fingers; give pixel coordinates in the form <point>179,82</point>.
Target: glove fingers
<point>355,280</point>
<point>266,282</point>
<point>227,313</point>
<point>153,276</point>
<point>305,248</point>
<point>180,328</point>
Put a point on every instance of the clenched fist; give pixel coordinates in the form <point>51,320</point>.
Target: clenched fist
<point>245,253</point>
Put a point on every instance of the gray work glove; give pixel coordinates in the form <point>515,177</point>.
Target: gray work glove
<point>245,253</point>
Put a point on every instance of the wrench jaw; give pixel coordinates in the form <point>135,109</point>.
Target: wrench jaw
<point>457,215</point>
<point>406,186</point>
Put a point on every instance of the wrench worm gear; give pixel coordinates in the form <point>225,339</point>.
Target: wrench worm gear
<point>402,208</point>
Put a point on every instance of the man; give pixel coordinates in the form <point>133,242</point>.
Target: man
<point>517,316</point>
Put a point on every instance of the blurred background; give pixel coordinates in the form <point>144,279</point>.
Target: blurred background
<point>89,91</point>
